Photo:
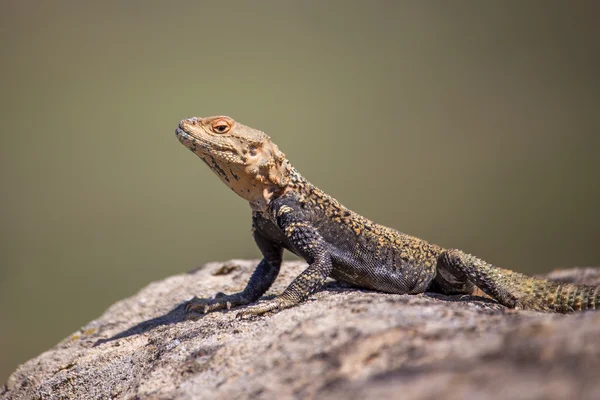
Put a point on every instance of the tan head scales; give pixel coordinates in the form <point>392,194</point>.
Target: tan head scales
<point>245,159</point>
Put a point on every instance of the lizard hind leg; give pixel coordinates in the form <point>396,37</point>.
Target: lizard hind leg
<point>516,290</point>
<point>451,282</point>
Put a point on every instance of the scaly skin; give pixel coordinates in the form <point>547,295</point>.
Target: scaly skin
<point>290,213</point>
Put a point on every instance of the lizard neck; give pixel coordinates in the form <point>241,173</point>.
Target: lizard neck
<point>295,182</point>
<point>309,193</point>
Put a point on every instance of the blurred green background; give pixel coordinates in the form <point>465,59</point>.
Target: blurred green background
<point>473,124</point>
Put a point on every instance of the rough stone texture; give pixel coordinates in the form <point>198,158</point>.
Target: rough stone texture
<point>342,343</point>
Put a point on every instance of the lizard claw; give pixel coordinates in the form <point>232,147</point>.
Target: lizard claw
<point>219,302</point>
<point>242,315</point>
<point>203,306</point>
<point>188,305</point>
<point>260,309</point>
<point>196,304</point>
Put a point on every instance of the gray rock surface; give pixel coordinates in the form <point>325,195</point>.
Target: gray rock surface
<point>342,343</point>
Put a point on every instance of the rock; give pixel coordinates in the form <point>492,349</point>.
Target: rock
<point>342,343</point>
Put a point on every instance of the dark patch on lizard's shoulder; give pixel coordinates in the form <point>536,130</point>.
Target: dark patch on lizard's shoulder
<point>289,199</point>
<point>287,203</point>
<point>293,206</point>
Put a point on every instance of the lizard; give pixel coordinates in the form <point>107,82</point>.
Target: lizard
<point>290,213</point>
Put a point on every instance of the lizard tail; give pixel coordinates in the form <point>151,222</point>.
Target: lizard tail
<point>516,290</point>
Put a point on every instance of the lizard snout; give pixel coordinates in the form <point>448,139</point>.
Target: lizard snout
<point>189,122</point>
<point>186,125</point>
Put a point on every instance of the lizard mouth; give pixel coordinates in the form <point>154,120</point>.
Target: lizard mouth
<point>187,139</point>
<point>180,133</point>
<point>184,136</point>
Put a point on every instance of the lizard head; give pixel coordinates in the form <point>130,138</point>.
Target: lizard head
<point>245,159</point>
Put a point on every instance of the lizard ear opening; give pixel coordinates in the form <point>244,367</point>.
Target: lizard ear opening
<point>278,173</point>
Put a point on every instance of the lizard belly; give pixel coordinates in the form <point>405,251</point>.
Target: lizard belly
<point>381,272</point>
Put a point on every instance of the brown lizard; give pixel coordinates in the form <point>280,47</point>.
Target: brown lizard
<point>288,212</point>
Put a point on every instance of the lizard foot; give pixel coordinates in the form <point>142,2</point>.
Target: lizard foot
<point>221,301</point>
<point>275,304</point>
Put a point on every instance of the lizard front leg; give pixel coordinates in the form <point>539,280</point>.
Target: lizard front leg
<point>261,280</point>
<point>309,245</point>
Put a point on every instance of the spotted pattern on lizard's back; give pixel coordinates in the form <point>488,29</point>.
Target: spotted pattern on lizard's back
<point>291,213</point>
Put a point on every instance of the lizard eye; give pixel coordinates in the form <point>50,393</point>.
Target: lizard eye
<point>220,126</point>
<point>252,150</point>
